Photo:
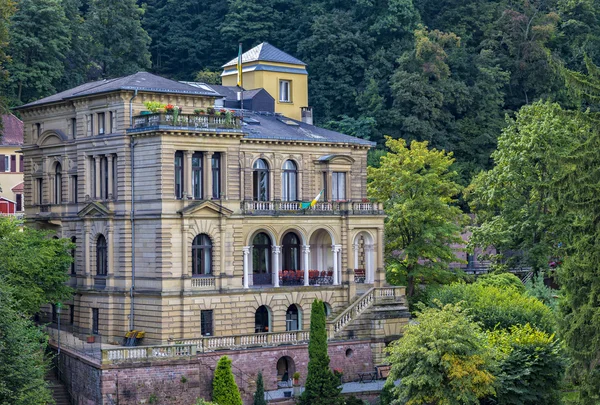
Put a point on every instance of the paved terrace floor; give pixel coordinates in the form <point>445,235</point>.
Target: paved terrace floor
<point>347,388</point>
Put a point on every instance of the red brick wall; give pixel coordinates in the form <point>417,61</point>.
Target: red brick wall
<point>181,382</point>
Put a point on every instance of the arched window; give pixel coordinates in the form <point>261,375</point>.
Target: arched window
<point>261,180</point>
<point>261,259</point>
<point>201,255</point>
<point>292,318</point>
<point>262,320</point>
<point>58,184</point>
<point>289,181</point>
<point>291,251</point>
<point>101,256</point>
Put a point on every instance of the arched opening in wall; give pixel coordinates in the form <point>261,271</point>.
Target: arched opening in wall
<point>364,258</point>
<point>327,309</point>
<point>262,320</point>
<point>290,249</point>
<point>285,370</point>
<point>293,319</point>
<point>261,259</point>
<point>321,256</point>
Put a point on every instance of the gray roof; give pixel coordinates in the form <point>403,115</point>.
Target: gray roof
<point>275,126</point>
<point>266,52</point>
<point>141,81</point>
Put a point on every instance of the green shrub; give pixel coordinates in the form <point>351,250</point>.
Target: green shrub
<point>259,394</point>
<point>442,359</point>
<point>496,307</point>
<point>530,366</point>
<point>536,288</point>
<point>502,280</point>
<point>225,390</point>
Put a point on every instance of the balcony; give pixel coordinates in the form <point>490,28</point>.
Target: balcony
<point>320,208</point>
<point>194,122</point>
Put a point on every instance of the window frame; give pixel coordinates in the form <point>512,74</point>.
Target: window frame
<point>73,255</point>
<point>202,256</point>
<point>95,321</point>
<point>207,323</point>
<point>260,180</point>
<point>287,252</point>
<point>336,185</point>
<point>74,128</point>
<point>285,85</point>
<point>198,175</point>
<point>289,191</point>
<point>215,163</point>
<point>179,178</point>
<point>101,256</point>
<point>58,184</point>
<point>101,117</point>
<point>262,254</point>
<point>40,190</point>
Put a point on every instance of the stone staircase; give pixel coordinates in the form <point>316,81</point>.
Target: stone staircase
<point>379,312</point>
<point>58,389</point>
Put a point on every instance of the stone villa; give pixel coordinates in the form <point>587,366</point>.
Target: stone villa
<point>191,227</point>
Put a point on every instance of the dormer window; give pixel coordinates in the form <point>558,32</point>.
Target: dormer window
<point>285,87</point>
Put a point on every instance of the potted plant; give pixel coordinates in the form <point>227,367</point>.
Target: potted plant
<point>210,110</point>
<point>296,378</point>
<point>153,107</point>
<point>91,338</point>
<point>170,108</point>
<point>199,111</point>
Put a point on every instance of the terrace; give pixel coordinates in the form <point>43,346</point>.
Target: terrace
<point>194,122</point>
<point>321,208</point>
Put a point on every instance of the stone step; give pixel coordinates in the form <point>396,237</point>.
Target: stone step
<point>58,390</point>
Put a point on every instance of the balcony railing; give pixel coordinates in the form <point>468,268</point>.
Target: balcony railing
<point>186,121</point>
<point>203,282</point>
<point>320,208</point>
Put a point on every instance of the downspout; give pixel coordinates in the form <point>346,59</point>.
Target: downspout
<point>131,218</point>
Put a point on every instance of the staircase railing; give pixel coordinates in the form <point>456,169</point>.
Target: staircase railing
<point>361,305</point>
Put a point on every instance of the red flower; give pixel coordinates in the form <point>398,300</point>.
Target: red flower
<point>170,107</point>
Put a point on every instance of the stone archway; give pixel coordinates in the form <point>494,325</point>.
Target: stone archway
<point>286,367</point>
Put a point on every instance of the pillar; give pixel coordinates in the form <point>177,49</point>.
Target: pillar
<point>208,192</point>
<point>110,176</point>
<point>187,175</point>
<point>305,252</point>
<point>246,250</point>
<point>369,268</point>
<point>276,256</point>
<point>356,249</point>
<point>335,249</point>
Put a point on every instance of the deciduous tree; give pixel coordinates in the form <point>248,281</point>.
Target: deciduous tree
<point>417,188</point>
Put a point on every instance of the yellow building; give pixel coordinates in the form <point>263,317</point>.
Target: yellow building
<point>281,75</point>
<point>11,165</point>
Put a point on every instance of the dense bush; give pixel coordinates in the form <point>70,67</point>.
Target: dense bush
<point>536,287</point>
<point>496,308</point>
<point>225,390</point>
<point>502,280</point>
<point>530,366</point>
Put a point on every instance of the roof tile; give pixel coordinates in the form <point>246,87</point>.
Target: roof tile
<point>12,131</point>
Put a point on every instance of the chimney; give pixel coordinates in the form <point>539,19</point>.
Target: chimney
<point>307,115</point>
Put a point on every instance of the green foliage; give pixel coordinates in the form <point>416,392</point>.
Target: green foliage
<point>259,394</point>
<point>154,106</point>
<point>496,308</point>
<point>352,400</point>
<point>502,281</point>
<point>225,390</point>
<point>119,43</point>
<point>441,359</point>
<point>513,201</point>
<point>208,76</point>
<point>322,387</point>
<point>536,288</point>
<point>418,191</point>
<point>531,366</point>
<point>34,264</point>
<point>39,40</point>
<point>22,363</point>
<point>201,401</point>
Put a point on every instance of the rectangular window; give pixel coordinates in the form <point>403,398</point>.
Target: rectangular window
<point>38,130</point>
<point>40,190</point>
<point>73,128</point>
<point>2,163</point>
<point>179,174</point>
<point>95,321</point>
<point>91,124</point>
<point>21,164</point>
<point>114,177</point>
<point>284,91</point>
<point>100,123</point>
<point>74,188</point>
<point>7,163</point>
<point>111,124</point>
<point>54,313</point>
<point>13,163</point>
<point>206,322</point>
<point>216,175</point>
<point>71,314</point>
<point>197,175</point>
<point>19,202</point>
<point>338,186</point>
<point>325,187</point>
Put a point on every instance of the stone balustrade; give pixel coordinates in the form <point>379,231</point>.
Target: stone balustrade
<point>320,208</point>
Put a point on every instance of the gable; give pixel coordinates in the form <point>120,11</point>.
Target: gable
<point>205,209</point>
<point>94,210</point>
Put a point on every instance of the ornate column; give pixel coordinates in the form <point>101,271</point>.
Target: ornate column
<point>86,251</point>
<point>187,175</point>
<point>97,177</point>
<point>356,248</point>
<point>110,157</point>
<point>276,255</point>
<point>336,250</point>
<point>369,268</point>
<point>305,252</point>
<point>208,192</point>
<point>246,250</point>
